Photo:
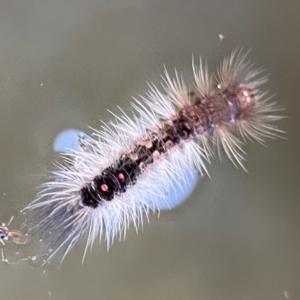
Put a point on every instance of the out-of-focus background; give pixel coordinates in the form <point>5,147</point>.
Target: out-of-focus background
<point>63,63</point>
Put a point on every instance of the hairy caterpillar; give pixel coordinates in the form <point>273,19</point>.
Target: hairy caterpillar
<point>125,170</point>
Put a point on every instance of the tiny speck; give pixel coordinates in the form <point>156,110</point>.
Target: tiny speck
<point>286,295</point>
<point>219,86</point>
<point>221,37</point>
<point>33,258</point>
<point>42,84</point>
<point>4,194</point>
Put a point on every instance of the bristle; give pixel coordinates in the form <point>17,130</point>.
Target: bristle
<point>125,170</point>
<point>176,90</point>
<point>259,125</point>
<point>237,69</point>
<point>204,83</point>
<point>231,145</point>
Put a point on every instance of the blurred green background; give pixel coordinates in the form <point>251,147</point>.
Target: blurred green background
<point>63,63</point>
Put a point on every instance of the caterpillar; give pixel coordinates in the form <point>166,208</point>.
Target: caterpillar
<point>125,170</point>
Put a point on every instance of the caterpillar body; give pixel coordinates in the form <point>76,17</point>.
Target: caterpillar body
<point>125,170</point>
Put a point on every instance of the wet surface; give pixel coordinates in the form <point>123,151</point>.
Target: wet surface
<point>63,63</point>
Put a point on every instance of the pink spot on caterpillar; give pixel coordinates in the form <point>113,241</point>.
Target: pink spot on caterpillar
<point>104,187</point>
<point>121,177</point>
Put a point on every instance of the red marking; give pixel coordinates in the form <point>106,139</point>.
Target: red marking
<point>104,187</point>
<point>121,177</point>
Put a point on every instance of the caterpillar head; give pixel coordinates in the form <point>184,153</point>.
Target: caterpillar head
<point>246,99</point>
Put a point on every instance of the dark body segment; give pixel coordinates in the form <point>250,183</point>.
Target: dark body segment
<point>198,118</point>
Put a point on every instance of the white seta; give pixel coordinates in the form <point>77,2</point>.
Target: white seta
<point>223,108</point>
